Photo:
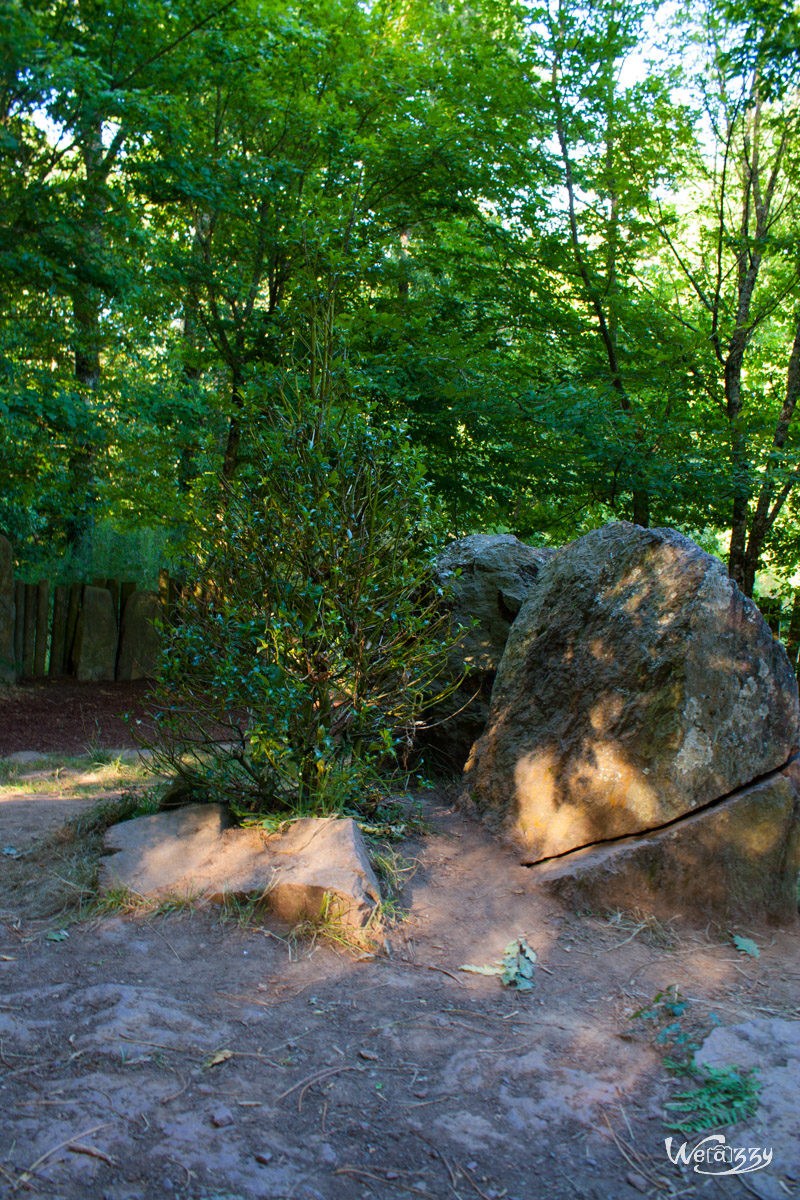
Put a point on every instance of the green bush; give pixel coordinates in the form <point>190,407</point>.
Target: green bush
<point>309,636</point>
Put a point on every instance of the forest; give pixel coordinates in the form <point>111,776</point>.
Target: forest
<point>550,251</point>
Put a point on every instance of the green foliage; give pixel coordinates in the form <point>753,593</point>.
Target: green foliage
<point>310,635</point>
<point>537,254</point>
<point>721,1096</point>
<point>517,968</point>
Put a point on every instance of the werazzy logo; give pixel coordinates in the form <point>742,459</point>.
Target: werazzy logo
<point>713,1156</point>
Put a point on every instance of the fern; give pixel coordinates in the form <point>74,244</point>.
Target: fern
<point>723,1096</point>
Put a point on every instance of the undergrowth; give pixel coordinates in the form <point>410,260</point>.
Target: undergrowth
<point>713,1096</point>
<point>721,1096</point>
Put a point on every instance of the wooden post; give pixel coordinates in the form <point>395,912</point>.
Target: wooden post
<point>73,609</point>
<point>19,624</point>
<point>58,638</point>
<point>29,630</point>
<point>42,628</point>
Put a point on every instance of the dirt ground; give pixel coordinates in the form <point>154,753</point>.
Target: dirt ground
<point>67,716</point>
<point>197,1056</point>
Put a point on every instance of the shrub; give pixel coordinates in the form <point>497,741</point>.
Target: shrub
<point>309,635</point>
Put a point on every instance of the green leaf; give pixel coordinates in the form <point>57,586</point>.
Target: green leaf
<point>746,946</point>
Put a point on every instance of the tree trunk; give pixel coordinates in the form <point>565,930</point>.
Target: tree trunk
<point>740,508</point>
<point>190,366</point>
<point>231,458</point>
<point>86,338</point>
<point>769,505</point>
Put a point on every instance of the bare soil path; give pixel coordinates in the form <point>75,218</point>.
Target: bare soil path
<point>192,1055</point>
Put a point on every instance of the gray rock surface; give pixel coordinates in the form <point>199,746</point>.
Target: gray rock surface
<point>8,673</point>
<point>139,640</point>
<point>94,653</point>
<point>486,578</point>
<point>489,576</point>
<point>637,685</point>
<point>736,860</point>
<point>194,851</point>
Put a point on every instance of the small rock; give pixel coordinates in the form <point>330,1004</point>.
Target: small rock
<point>368,1055</point>
<point>328,1154</point>
<point>264,1157</point>
<point>221,1117</point>
<point>636,1181</point>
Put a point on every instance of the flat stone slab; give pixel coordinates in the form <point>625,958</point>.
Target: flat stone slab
<point>194,851</point>
<point>140,640</point>
<point>95,650</point>
<point>738,859</point>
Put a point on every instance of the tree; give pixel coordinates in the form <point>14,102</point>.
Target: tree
<point>617,146</point>
<point>735,255</point>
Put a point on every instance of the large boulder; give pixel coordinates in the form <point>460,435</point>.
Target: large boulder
<point>139,641</point>
<point>318,865</point>
<point>8,672</point>
<point>638,685</point>
<point>94,653</point>
<point>485,578</point>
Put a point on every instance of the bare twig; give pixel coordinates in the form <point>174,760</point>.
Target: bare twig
<point>28,1172</point>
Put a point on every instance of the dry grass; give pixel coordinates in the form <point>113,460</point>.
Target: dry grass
<point>639,924</point>
<point>79,777</point>
<point>57,876</point>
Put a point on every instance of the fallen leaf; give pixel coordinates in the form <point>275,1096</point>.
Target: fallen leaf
<point>219,1056</point>
<point>493,970</point>
<point>746,946</point>
<point>56,935</point>
<point>7,958</point>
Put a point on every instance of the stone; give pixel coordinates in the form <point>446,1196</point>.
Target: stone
<point>486,578</point>
<point>738,859</point>
<point>8,609</point>
<point>139,642</point>
<point>638,684</point>
<point>222,1117</point>
<point>319,865</point>
<point>94,653</point>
